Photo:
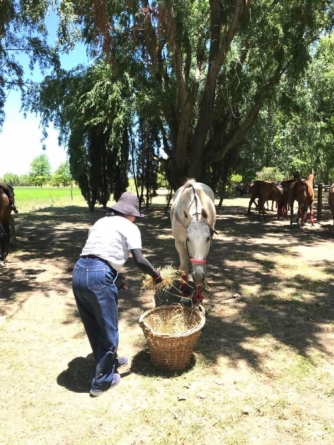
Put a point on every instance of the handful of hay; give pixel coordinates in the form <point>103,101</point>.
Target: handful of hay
<point>169,276</point>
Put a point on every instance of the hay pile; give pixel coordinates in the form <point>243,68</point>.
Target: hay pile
<point>169,276</point>
<point>177,320</point>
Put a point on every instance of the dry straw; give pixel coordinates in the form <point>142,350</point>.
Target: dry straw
<point>169,276</point>
<point>172,322</point>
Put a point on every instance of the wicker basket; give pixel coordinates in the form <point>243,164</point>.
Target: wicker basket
<point>171,351</point>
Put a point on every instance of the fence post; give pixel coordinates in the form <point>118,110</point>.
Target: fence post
<point>319,206</point>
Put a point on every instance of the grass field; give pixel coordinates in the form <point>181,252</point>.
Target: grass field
<point>29,199</point>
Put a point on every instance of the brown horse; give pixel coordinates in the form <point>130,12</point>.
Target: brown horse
<point>302,192</point>
<point>331,202</point>
<point>268,191</point>
<point>254,192</point>
<point>5,226</point>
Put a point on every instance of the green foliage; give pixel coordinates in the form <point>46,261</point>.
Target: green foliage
<point>269,174</point>
<point>162,181</point>
<point>235,178</point>
<point>90,110</point>
<point>11,179</point>
<point>22,30</point>
<point>40,171</point>
<point>62,175</point>
<point>24,180</point>
<point>145,165</point>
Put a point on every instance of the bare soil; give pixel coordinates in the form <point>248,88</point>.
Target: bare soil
<point>261,373</point>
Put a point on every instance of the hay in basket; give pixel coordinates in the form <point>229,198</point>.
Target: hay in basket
<point>171,332</point>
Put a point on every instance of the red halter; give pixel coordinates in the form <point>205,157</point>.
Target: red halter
<point>194,261</point>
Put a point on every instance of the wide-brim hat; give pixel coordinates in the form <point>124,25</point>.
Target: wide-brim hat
<point>128,204</point>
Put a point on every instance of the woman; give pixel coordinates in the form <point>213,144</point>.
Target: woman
<point>110,240</point>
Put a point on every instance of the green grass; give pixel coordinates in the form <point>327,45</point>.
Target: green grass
<point>28,199</point>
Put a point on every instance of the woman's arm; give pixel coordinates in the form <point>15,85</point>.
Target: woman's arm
<point>144,265</point>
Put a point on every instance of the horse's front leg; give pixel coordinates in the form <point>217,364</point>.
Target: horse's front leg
<point>300,216</point>
<point>261,207</point>
<point>291,212</point>
<point>184,266</point>
<point>12,234</point>
<point>250,204</point>
<point>4,242</point>
<point>311,214</point>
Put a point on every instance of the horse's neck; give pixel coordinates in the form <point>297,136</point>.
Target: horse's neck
<point>195,209</point>
<point>194,206</point>
<point>310,179</point>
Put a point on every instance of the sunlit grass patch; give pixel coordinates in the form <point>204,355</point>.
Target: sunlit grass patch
<point>330,393</point>
<point>30,199</point>
<point>301,366</point>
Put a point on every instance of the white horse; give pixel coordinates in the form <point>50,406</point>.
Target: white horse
<point>193,217</point>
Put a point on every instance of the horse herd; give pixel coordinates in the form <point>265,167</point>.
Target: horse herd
<point>285,193</point>
<point>193,218</point>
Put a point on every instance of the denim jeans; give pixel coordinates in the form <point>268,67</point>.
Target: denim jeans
<point>96,296</point>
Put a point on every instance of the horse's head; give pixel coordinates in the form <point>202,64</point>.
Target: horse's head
<point>198,243</point>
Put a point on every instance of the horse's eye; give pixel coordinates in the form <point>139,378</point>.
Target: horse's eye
<point>209,237</point>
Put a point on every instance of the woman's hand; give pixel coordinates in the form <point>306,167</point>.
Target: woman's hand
<point>157,279</point>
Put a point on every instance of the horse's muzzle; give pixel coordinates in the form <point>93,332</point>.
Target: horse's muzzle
<point>198,274</point>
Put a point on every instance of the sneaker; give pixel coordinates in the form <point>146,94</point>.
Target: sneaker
<point>121,361</point>
<point>96,392</point>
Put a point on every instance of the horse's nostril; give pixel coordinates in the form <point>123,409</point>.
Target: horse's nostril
<point>198,274</point>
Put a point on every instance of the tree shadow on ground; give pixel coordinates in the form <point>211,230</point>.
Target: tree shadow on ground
<point>242,254</point>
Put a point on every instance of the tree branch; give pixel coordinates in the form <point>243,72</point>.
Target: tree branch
<point>214,155</point>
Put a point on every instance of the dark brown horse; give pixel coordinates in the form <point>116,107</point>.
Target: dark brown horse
<point>5,226</point>
<point>269,191</point>
<point>302,191</point>
<point>254,194</point>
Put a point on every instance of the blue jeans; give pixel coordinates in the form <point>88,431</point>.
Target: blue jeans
<point>96,296</point>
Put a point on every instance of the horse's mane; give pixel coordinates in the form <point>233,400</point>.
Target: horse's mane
<point>189,182</point>
<point>310,179</point>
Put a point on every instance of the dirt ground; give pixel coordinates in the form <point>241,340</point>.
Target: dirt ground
<point>262,371</point>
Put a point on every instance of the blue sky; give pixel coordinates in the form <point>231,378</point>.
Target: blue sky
<point>20,138</point>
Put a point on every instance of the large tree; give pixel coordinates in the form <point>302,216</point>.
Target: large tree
<point>92,113</point>
<point>40,170</point>
<point>204,69</point>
